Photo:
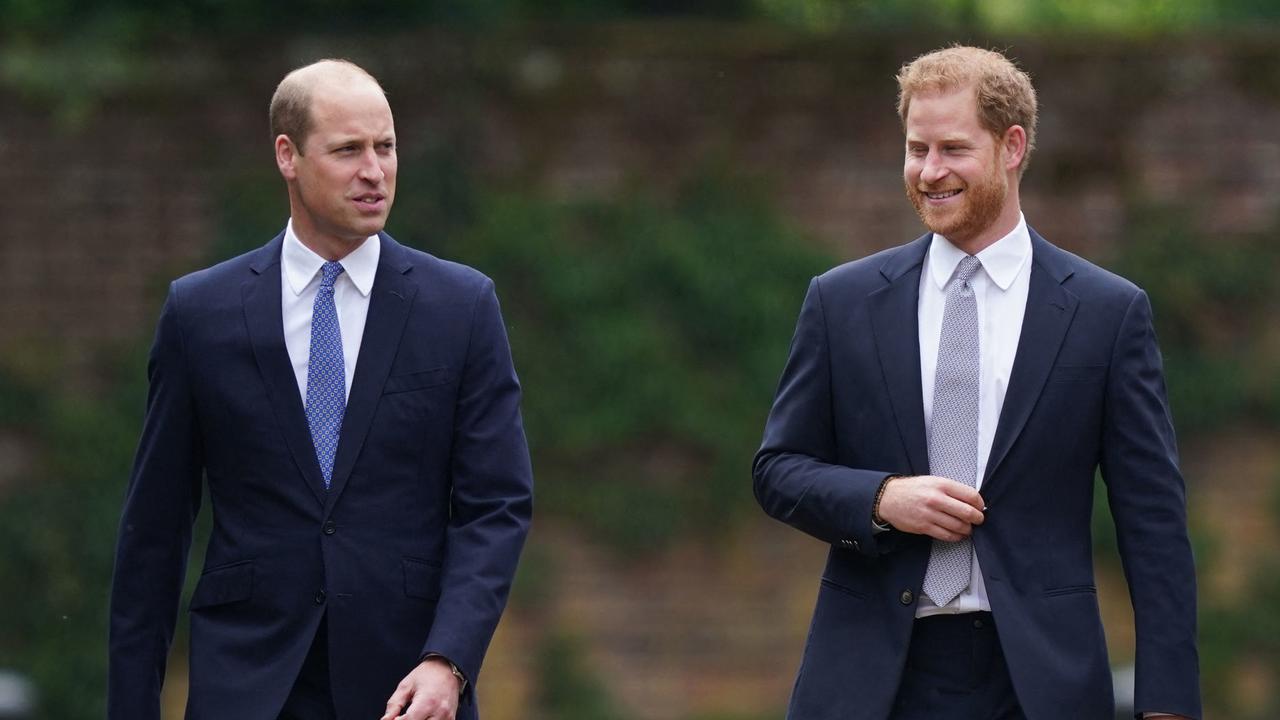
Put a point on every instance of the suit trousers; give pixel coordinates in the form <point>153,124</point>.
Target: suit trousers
<point>956,670</point>
<point>311,698</point>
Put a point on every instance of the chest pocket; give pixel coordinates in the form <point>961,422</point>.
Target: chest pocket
<point>422,380</point>
<point>1078,375</point>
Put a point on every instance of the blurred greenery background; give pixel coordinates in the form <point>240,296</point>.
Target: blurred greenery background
<point>651,183</point>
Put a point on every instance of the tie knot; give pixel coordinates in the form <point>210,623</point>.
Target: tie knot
<point>329,273</point>
<point>967,269</point>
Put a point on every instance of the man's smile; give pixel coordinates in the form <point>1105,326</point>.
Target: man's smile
<point>370,201</point>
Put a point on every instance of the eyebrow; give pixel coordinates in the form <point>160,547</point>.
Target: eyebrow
<point>345,140</point>
<point>948,140</point>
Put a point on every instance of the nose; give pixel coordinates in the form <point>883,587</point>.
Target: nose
<point>370,167</point>
<point>934,169</point>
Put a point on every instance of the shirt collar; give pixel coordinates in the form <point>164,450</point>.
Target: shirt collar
<point>1002,260</point>
<point>302,264</point>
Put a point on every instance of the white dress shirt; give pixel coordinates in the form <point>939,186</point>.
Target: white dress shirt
<point>300,281</point>
<point>1000,289</point>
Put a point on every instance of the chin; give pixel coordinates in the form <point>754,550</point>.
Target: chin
<point>952,230</point>
<point>368,228</point>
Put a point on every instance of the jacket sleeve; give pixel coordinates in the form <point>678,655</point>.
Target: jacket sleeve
<point>160,507</point>
<point>492,499</point>
<point>797,476</point>
<point>1148,502</point>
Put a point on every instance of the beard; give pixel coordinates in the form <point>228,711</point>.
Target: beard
<point>981,204</point>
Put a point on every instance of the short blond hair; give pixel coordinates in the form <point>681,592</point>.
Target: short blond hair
<point>290,112</point>
<point>1004,92</point>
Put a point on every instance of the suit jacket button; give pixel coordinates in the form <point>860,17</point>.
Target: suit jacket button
<point>906,597</point>
<point>330,527</point>
<point>848,543</point>
<point>320,596</point>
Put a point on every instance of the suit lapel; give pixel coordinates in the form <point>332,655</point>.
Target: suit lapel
<point>1050,309</point>
<point>895,321</point>
<point>389,304</point>
<point>263,316</point>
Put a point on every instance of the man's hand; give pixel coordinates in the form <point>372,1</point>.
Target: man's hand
<point>930,505</point>
<point>430,692</point>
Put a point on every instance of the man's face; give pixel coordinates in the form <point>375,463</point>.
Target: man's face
<point>343,183</point>
<point>954,170</point>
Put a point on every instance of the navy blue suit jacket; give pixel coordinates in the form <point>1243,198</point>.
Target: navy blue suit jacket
<point>1086,390</point>
<point>413,548</point>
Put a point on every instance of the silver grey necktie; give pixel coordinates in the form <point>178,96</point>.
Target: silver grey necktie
<point>953,433</point>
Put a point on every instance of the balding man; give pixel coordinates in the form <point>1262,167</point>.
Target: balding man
<point>352,407</point>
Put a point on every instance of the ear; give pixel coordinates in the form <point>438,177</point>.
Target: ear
<point>286,156</point>
<point>1014,146</point>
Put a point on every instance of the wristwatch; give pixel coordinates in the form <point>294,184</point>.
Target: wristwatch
<point>462,679</point>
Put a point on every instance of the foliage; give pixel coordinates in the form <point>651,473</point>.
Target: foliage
<point>650,336</point>
<point>138,20</point>
<point>567,687</point>
<point>59,521</point>
<point>76,57</point>
<point>1240,647</point>
<point>1213,313</point>
<point>1123,16</point>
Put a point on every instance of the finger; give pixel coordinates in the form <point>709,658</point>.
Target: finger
<point>399,699</point>
<point>424,709</point>
<point>944,502</point>
<point>978,503</point>
<point>442,712</point>
<point>938,532</point>
<point>963,511</point>
<point>418,709</point>
<point>952,525</point>
<point>964,493</point>
<point>959,501</point>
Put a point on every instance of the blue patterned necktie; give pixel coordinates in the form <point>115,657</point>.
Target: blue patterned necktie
<point>326,373</point>
<point>953,432</point>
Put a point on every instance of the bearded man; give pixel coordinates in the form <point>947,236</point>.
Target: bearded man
<point>939,422</point>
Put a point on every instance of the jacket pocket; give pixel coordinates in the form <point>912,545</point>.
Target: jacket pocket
<point>223,585</point>
<point>417,380</point>
<point>833,585</point>
<point>421,579</point>
<point>1071,590</point>
<point>1071,374</point>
